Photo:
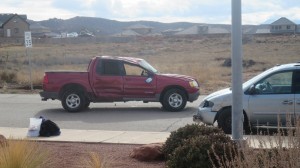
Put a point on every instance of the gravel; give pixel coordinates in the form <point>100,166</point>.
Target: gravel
<point>70,155</point>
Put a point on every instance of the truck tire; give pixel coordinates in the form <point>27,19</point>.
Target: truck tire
<point>224,121</point>
<point>73,101</point>
<point>174,100</point>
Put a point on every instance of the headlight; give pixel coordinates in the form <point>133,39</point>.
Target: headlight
<point>194,84</point>
<point>207,103</point>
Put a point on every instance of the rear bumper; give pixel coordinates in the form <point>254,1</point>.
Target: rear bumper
<point>194,96</point>
<point>49,95</point>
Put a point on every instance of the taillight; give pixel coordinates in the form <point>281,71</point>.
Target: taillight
<point>45,81</point>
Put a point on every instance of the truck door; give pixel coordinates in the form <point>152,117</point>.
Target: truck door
<point>108,80</point>
<point>139,84</point>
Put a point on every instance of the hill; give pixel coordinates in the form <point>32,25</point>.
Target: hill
<point>101,26</point>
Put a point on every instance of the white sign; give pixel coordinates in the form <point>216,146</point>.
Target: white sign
<point>28,41</point>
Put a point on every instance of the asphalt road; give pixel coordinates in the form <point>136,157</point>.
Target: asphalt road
<point>16,109</point>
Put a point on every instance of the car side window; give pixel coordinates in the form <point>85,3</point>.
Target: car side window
<point>134,70</point>
<point>278,83</point>
<point>109,68</point>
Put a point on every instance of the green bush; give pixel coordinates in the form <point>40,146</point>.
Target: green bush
<point>201,152</point>
<point>177,137</point>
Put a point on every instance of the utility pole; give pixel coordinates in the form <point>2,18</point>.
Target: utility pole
<point>236,71</point>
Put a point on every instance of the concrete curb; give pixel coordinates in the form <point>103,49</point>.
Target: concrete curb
<point>91,136</point>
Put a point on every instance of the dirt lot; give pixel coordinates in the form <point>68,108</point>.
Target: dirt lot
<point>70,155</point>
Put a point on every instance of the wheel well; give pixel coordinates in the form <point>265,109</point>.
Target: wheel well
<point>229,107</point>
<point>172,87</point>
<point>71,86</point>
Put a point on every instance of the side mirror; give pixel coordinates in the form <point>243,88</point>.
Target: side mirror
<point>252,90</point>
<point>149,80</point>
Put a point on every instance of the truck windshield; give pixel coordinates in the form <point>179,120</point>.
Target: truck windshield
<point>147,66</point>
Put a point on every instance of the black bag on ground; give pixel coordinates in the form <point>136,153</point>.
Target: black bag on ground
<point>49,128</point>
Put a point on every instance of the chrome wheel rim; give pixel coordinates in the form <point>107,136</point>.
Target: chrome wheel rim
<point>73,101</point>
<point>175,100</point>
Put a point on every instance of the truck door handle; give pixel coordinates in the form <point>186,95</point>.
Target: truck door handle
<point>288,102</point>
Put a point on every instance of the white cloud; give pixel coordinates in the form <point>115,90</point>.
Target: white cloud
<point>200,11</point>
<point>42,10</point>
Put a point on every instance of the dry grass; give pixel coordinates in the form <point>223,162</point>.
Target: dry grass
<point>22,153</point>
<point>199,57</point>
<point>278,150</point>
<point>94,161</point>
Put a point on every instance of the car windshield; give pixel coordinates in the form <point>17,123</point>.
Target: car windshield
<point>147,66</point>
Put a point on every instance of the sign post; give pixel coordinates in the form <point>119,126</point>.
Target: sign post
<point>28,44</point>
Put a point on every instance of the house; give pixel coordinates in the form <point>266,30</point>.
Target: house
<point>283,26</point>
<point>140,29</point>
<point>203,29</point>
<point>13,25</point>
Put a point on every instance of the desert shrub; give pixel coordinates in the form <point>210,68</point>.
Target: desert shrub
<point>177,137</point>
<point>200,151</point>
<point>8,77</point>
<point>22,153</point>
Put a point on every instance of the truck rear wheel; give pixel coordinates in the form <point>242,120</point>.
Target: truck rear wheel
<point>174,100</point>
<point>73,101</point>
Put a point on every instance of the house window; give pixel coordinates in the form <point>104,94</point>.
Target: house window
<point>288,27</point>
<point>16,30</point>
<point>279,27</point>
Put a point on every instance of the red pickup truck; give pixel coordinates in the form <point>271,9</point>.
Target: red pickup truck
<point>118,79</point>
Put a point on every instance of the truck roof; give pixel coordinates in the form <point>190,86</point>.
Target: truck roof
<point>127,59</point>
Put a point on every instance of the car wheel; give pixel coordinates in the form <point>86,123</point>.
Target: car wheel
<point>73,101</point>
<point>87,104</point>
<point>224,121</point>
<point>174,100</point>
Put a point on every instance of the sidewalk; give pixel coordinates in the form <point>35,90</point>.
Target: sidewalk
<point>71,135</point>
<point>129,137</point>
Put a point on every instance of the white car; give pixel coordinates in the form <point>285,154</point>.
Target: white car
<point>269,99</point>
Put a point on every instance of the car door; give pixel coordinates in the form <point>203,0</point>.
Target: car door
<point>139,84</point>
<point>273,99</point>
<point>296,86</point>
<point>108,80</point>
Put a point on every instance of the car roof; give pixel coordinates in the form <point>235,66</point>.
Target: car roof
<point>132,60</point>
<point>290,66</point>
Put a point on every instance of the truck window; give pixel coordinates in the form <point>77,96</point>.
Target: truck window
<point>133,70</point>
<point>109,68</point>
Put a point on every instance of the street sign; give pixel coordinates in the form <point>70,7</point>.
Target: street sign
<point>28,41</point>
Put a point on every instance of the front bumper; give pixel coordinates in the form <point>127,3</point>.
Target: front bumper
<point>48,95</point>
<point>194,96</point>
<point>205,115</point>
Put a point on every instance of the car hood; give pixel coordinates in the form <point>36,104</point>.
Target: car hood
<point>219,93</point>
<point>177,76</point>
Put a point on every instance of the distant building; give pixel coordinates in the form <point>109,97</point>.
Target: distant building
<point>13,25</point>
<point>282,26</point>
<point>203,30</point>
<point>140,29</point>
<point>38,30</point>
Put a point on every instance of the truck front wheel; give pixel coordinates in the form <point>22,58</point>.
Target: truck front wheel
<point>73,101</point>
<point>174,100</point>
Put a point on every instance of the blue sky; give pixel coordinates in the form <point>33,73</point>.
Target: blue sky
<point>198,11</point>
